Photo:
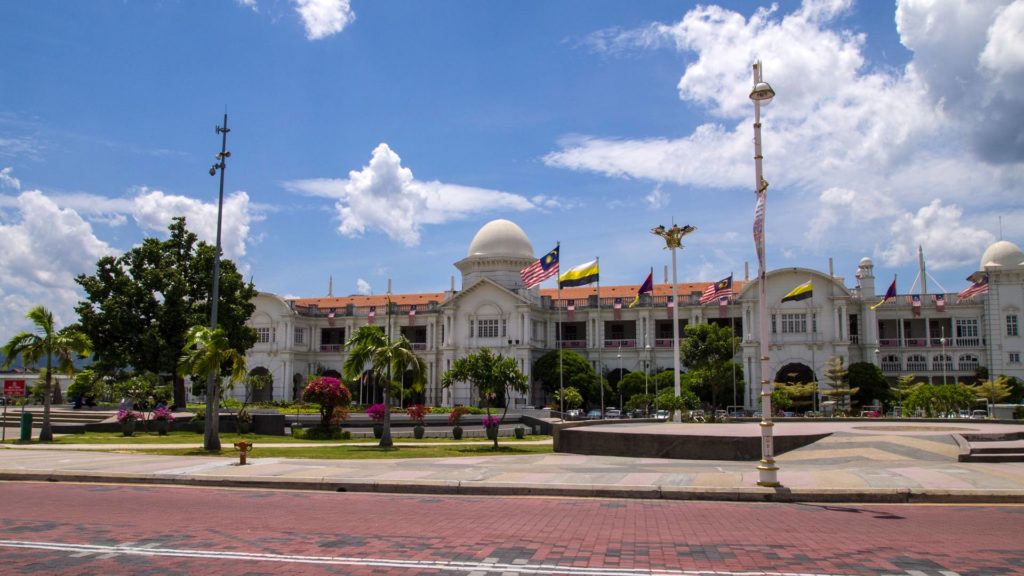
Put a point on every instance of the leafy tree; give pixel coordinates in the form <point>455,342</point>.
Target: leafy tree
<point>370,346</point>
<point>635,383</point>
<point>994,390</point>
<point>640,401</point>
<point>491,375</point>
<point>139,306</point>
<point>206,351</point>
<point>53,345</point>
<point>667,400</point>
<point>576,372</point>
<point>332,396</point>
<point>573,399</point>
<point>905,385</point>
<point>870,383</point>
<point>782,395</point>
<point>935,399</point>
<point>799,395</point>
<point>839,387</point>
<point>708,350</point>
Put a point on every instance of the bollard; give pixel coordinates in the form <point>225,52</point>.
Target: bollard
<point>243,451</point>
<point>26,426</point>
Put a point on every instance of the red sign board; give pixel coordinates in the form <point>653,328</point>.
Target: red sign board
<point>14,387</point>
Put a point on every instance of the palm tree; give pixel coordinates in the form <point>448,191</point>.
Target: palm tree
<point>386,358</point>
<point>54,345</point>
<point>206,351</point>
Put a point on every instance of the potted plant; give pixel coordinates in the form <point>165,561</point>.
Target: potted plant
<point>417,413</point>
<point>454,418</point>
<point>199,421</point>
<point>520,432</point>
<point>376,412</point>
<point>127,418</point>
<point>491,426</point>
<point>162,418</point>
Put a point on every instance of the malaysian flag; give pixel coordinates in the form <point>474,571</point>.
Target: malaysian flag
<point>723,306</point>
<point>545,267</point>
<point>617,306</point>
<point>915,304</point>
<point>979,287</point>
<point>671,307</point>
<point>940,302</point>
<point>570,309</point>
<point>372,314</point>
<point>412,314</point>
<point>330,317</point>
<point>722,288</point>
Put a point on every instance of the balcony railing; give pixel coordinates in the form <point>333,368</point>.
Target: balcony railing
<point>973,342</point>
<point>620,343</point>
<point>419,346</point>
<point>662,342</point>
<point>572,343</point>
<point>330,347</point>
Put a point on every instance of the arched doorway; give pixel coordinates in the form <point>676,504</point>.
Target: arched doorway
<point>795,373</point>
<point>259,386</point>
<point>803,397</point>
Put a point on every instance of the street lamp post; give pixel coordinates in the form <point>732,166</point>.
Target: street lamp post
<point>944,357</point>
<point>618,383</point>
<point>767,470</point>
<point>211,438</point>
<point>673,239</point>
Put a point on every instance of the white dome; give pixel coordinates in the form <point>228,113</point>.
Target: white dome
<point>865,262</point>
<point>501,238</point>
<point>1004,254</point>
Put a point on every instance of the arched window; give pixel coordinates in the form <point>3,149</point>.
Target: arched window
<point>917,363</point>
<point>968,363</point>
<point>942,362</point>
<point>891,363</point>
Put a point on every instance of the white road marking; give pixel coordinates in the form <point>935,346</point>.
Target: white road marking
<point>478,567</point>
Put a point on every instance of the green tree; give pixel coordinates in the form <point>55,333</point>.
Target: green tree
<point>667,400</point>
<point>573,398</point>
<point>208,351</point>
<point>935,399</point>
<point>139,306</point>
<point>839,387</point>
<point>798,395</point>
<point>55,346</point>
<point>575,371</point>
<point>994,390</point>
<point>492,376</point>
<point>708,350</point>
<point>391,363</point>
<point>871,385</point>
<point>905,385</point>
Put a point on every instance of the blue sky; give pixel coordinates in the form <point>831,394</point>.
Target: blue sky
<point>371,140</point>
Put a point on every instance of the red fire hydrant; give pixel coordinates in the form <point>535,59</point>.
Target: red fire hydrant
<point>243,451</point>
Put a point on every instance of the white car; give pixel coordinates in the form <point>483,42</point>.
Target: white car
<point>613,413</point>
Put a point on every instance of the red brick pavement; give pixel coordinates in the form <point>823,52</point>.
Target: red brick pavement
<point>196,531</point>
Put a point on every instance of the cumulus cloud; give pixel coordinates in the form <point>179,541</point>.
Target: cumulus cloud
<point>846,142</point>
<point>385,196</point>
<point>323,18</point>
<point>153,211</point>
<point>932,227</point>
<point>45,247</point>
<point>8,181</point>
<point>657,198</point>
<point>363,287</point>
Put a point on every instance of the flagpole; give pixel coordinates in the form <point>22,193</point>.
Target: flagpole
<point>558,338</point>
<point>597,333</point>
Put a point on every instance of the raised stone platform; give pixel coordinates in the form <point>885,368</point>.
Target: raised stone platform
<point>736,441</point>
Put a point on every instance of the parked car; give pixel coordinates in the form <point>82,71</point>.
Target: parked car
<point>978,414</point>
<point>574,413</point>
<point>661,414</point>
<point>613,413</point>
<point>594,414</point>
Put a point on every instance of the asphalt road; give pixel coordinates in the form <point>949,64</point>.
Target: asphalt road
<point>119,529</point>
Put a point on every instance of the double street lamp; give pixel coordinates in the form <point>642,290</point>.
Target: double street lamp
<point>674,239</point>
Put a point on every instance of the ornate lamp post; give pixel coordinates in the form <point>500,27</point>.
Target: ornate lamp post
<point>674,239</point>
<point>767,470</point>
<point>211,440</point>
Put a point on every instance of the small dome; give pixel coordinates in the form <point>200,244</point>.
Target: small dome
<point>1004,254</point>
<point>501,238</point>
<point>866,262</point>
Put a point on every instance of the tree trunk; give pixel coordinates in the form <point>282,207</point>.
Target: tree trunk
<point>211,436</point>
<point>385,439</point>
<point>45,433</point>
<point>180,400</point>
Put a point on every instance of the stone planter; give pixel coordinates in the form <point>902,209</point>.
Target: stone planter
<point>492,433</point>
<point>520,432</point>
<point>457,432</point>
<point>128,427</point>
<point>161,427</point>
<point>418,431</point>
<point>378,430</point>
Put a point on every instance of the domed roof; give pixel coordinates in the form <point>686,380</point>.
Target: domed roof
<point>1003,254</point>
<point>501,238</point>
<point>865,261</point>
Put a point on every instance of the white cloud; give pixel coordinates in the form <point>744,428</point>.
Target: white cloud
<point>657,198</point>
<point>939,230</point>
<point>363,287</point>
<point>385,196</point>
<point>8,181</point>
<point>846,144</point>
<point>323,18</point>
<point>45,247</point>
<point>251,4</point>
<point>153,211</point>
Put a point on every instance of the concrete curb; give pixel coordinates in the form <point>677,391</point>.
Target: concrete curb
<point>453,487</point>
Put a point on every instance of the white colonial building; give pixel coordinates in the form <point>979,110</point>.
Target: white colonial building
<point>939,339</point>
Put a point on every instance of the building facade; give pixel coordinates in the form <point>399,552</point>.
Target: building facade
<point>936,337</point>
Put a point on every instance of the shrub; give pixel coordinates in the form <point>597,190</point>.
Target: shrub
<point>455,416</point>
<point>417,412</point>
<point>330,394</point>
<point>376,412</point>
<point>319,433</point>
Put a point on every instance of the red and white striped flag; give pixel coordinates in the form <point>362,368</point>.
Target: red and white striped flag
<point>723,306</point>
<point>412,314</point>
<point>979,287</point>
<point>915,304</point>
<point>671,305</point>
<point>330,317</point>
<point>372,314</point>
<point>940,302</point>
<point>545,267</point>
<point>617,307</point>
<point>759,210</point>
<point>570,309</point>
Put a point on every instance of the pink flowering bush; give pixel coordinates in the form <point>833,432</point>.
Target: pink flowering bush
<point>125,415</point>
<point>163,413</point>
<point>332,396</point>
<point>491,421</point>
<point>376,412</point>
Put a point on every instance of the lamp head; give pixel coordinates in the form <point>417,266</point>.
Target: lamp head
<point>762,92</point>
<point>213,170</point>
<point>660,230</point>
